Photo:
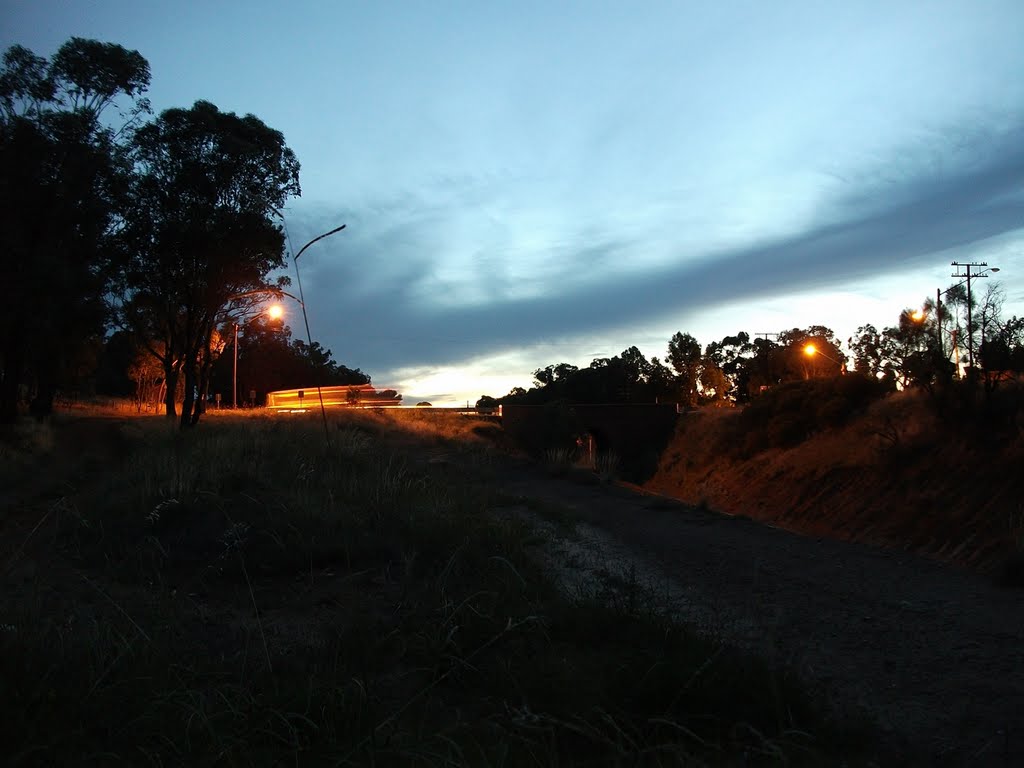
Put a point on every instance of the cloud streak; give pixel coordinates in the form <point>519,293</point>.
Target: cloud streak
<point>385,285</point>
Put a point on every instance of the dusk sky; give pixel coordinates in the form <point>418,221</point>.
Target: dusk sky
<point>532,183</point>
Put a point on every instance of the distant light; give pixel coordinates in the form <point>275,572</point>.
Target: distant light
<point>275,311</point>
<point>810,349</point>
<point>918,315</point>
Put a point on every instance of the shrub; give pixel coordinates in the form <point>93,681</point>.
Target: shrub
<point>790,413</point>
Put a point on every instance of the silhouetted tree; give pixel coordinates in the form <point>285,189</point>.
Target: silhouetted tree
<point>60,193</point>
<point>112,377</point>
<point>766,366</point>
<point>202,230</point>
<point>487,402</point>
<point>829,360</point>
<point>684,355</point>
<point>867,345</point>
<point>1003,348</point>
<point>906,354</point>
<point>909,352</point>
<point>626,378</point>
<point>733,355</point>
<point>715,386</point>
<point>659,383</point>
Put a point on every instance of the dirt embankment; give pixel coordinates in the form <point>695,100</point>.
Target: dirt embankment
<point>894,475</point>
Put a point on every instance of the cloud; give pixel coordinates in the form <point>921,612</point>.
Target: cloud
<point>382,301</point>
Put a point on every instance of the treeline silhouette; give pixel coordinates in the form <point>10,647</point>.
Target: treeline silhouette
<point>924,349</point>
<point>268,359</point>
<point>136,244</point>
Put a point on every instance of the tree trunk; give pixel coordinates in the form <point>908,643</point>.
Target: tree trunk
<point>42,404</point>
<point>203,387</point>
<point>45,367</point>
<point>10,382</point>
<point>190,394</point>
<point>170,390</point>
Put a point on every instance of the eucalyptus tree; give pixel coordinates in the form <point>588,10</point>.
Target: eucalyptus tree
<point>1002,352</point>
<point>989,316</point>
<point>870,351</point>
<point>910,353</point>
<point>60,193</point>
<point>826,358</point>
<point>731,358</point>
<point>684,355</point>
<point>203,235</point>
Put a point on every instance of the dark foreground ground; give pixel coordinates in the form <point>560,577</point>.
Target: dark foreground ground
<point>934,653</point>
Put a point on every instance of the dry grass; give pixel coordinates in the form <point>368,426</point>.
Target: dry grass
<point>896,473</point>
<point>249,594</point>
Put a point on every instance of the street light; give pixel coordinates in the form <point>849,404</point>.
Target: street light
<point>810,350</point>
<point>275,312</point>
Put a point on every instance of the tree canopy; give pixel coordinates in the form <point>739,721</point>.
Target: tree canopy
<point>62,193</point>
<point>201,235</point>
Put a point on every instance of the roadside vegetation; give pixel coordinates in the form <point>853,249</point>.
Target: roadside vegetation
<point>248,594</point>
<point>933,472</point>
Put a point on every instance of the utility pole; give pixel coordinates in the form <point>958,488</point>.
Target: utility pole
<point>970,318</point>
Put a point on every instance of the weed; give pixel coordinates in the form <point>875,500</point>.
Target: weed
<point>607,466</point>
<point>558,461</point>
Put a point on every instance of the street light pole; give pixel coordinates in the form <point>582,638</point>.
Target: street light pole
<point>305,318</point>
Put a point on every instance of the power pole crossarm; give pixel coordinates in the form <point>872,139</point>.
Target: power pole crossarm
<point>982,268</point>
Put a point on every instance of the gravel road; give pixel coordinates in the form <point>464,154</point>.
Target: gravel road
<point>934,654</point>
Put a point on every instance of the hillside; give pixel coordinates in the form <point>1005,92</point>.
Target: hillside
<point>907,471</point>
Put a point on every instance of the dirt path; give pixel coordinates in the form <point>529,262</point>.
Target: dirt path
<point>934,654</point>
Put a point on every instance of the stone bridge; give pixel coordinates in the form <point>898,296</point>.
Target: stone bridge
<point>633,434</point>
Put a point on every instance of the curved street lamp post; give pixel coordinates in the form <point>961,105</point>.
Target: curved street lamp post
<point>302,303</point>
<point>305,318</point>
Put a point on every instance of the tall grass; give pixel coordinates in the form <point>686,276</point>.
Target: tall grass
<point>23,446</point>
<point>246,594</point>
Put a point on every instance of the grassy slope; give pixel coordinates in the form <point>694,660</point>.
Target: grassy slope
<point>245,594</point>
<point>894,474</point>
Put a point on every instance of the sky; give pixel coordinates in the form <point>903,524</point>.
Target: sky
<point>528,183</point>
